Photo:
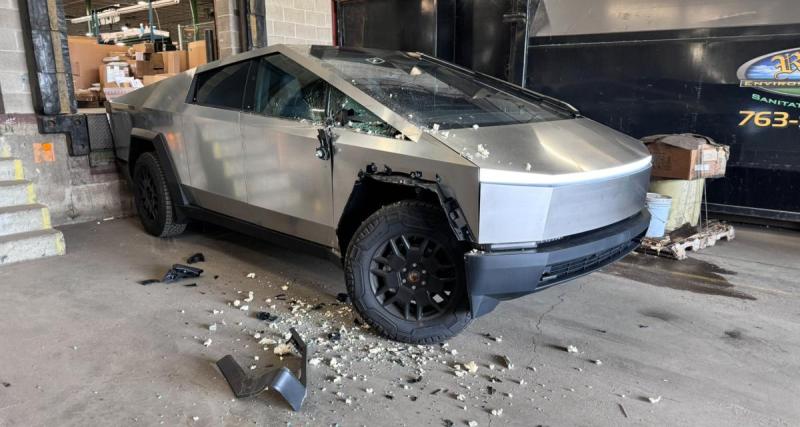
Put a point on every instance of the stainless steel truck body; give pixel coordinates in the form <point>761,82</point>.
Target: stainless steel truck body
<point>442,190</point>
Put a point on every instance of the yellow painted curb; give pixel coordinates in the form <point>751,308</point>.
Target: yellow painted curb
<point>61,248</point>
<point>45,218</point>
<point>31,194</point>
<point>18,173</point>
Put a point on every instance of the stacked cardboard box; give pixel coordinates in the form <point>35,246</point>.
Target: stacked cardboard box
<point>97,67</point>
<point>681,164</point>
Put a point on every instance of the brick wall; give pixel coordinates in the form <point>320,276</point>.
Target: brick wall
<point>16,90</point>
<point>299,21</point>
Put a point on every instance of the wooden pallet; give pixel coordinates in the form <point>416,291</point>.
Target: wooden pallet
<point>676,247</point>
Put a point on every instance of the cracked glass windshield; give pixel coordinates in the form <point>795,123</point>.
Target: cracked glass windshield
<point>432,95</point>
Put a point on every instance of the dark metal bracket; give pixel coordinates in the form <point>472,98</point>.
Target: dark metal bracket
<point>73,125</point>
<point>280,380</point>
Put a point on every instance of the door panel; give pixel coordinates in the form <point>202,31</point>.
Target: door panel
<point>215,152</point>
<point>286,178</point>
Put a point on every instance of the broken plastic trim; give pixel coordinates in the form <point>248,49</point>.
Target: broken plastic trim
<point>180,271</point>
<point>281,379</point>
<point>455,216</point>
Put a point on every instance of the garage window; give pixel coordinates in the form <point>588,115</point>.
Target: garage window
<point>222,87</point>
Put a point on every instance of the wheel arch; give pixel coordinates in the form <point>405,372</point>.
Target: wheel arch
<point>372,191</point>
<point>144,141</point>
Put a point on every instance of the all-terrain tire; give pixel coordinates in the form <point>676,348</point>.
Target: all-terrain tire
<point>153,201</point>
<point>372,264</point>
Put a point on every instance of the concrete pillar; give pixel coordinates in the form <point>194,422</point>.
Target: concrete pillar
<point>227,19</point>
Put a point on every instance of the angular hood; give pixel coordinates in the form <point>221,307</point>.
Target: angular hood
<point>547,148</point>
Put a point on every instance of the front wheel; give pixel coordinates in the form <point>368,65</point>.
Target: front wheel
<point>405,274</point>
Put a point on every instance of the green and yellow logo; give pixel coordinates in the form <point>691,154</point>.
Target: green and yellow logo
<point>777,72</point>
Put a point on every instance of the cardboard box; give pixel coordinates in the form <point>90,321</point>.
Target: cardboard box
<point>174,61</point>
<point>86,59</point>
<point>687,156</point>
<point>143,47</point>
<point>197,53</point>
<point>140,69</point>
<point>148,80</point>
<point>112,71</point>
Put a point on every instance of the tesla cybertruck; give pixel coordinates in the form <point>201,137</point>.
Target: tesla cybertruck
<point>443,191</point>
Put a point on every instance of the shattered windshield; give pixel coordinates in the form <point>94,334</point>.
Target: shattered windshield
<point>432,95</point>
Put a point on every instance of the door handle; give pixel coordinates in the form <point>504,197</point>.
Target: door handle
<point>325,149</point>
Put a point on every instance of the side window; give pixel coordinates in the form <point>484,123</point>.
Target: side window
<point>285,89</point>
<point>222,87</point>
<point>350,114</point>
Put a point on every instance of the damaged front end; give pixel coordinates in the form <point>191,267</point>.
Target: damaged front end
<point>493,276</point>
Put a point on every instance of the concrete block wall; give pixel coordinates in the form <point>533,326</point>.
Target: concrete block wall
<point>14,83</point>
<point>299,21</point>
<point>72,190</point>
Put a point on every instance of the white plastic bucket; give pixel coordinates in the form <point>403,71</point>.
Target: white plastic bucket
<point>659,207</point>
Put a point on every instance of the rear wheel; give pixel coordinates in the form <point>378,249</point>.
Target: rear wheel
<point>152,198</point>
<point>405,274</point>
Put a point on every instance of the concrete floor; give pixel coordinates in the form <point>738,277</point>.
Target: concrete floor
<point>82,343</point>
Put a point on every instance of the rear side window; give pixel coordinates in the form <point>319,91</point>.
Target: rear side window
<point>222,87</point>
<point>282,88</point>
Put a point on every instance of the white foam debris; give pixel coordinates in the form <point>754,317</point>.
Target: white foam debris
<point>195,418</point>
<point>207,342</point>
<point>284,288</point>
<point>244,307</point>
<point>528,167</point>
<point>483,152</point>
<point>314,361</point>
<point>282,349</point>
<point>267,341</point>
<point>237,303</point>
<point>215,311</point>
<point>475,126</point>
<point>471,367</point>
<point>453,352</point>
<point>369,391</point>
<point>572,349</point>
<point>435,127</point>
<point>497,412</point>
<point>654,400</point>
<point>460,397</point>
<point>250,296</point>
<point>472,423</point>
<point>212,327</point>
<point>252,367</point>
<point>597,362</point>
<point>251,275</point>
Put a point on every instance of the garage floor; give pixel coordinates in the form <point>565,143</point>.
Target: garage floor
<point>82,343</point>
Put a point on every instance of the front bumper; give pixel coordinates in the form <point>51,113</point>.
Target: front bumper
<point>496,276</point>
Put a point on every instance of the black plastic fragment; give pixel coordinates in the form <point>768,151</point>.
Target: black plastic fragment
<point>265,316</point>
<point>191,285</point>
<point>180,271</point>
<point>342,297</point>
<point>6,384</point>
<point>280,380</point>
<point>198,257</point>
<point>334,336</point>
<point>148,282</point>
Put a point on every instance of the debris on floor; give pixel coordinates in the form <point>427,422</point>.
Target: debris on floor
<point>280,380</point>
<point>180,271</point>
<point>342,297</point>
<point>572,349</point>
<point>148,282</point>
<point>654,400</point>
<point>198,257</point>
